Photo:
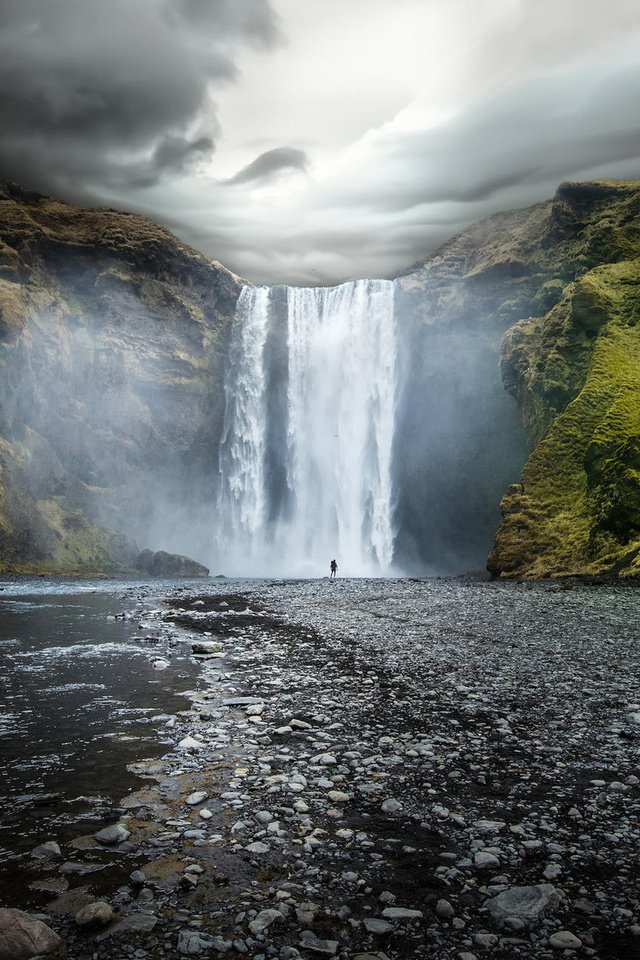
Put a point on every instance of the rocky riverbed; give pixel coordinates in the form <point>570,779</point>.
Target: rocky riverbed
<point>370,769</point>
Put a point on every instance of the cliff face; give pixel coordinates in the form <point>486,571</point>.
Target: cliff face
<point>112,338</point>
<point>575,372</point>
<point>558,282</point>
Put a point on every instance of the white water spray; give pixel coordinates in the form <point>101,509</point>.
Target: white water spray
<point>339,417</point>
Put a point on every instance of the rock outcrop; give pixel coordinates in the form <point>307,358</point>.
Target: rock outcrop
<point>559,281</point>
<point>112,338</point>
<point>163,564</point>
<point>575,372</point>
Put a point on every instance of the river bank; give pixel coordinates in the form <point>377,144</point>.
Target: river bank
<point>440,768</point>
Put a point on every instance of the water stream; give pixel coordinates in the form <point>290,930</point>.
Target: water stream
<point>79,700</point>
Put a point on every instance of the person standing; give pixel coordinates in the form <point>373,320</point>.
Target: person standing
<point>334,570</point>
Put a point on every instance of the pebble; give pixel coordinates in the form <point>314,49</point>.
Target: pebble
<point>377,926</point>
<point>564,940</point>
<point>195,798</point>
<point>47,851</point>
<point>117,833</point>
<point>445,910</point>
<point>401,913</point>
<point>373,762</point>
<point>97,914</point>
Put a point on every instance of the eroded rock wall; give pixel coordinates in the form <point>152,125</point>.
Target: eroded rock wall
<point>558,282</point>
<point>575,372</point>
<point>112,339</point>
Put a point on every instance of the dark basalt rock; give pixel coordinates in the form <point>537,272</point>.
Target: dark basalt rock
<point>162,564</point>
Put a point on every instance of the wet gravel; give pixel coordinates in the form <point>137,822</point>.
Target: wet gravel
<point>388,768</point>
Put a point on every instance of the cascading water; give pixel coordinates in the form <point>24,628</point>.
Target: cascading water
<point>335,429</point>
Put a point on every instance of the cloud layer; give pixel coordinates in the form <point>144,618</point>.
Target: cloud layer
<point>310,143</point>
<point>116,95</point>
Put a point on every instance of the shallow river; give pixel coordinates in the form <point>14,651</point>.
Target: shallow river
<point>79,699</point>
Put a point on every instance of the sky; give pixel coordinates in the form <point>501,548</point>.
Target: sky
<point>312,141</point>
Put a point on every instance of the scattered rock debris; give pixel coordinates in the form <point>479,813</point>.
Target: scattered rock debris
<point>444,769</point>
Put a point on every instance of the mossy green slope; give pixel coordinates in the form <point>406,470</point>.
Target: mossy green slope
<point>576,373</point>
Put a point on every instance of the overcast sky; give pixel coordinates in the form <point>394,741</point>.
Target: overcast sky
<point>309,141</point>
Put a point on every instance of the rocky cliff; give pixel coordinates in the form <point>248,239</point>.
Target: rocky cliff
<point>112,337</point>
<point>575,371</point>
<point>560,282</point>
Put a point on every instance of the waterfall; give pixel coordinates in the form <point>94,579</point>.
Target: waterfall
<point>333,439</point>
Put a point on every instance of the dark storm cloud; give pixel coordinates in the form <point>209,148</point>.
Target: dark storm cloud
<point>270,163</point>
<point>111,101</point>
<point>115,94</point>
<point>251,20</point>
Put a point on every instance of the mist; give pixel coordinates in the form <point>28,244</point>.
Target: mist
<point>305,424</point>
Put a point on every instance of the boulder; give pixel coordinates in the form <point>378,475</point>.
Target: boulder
<point>525,903</point>
<point>137,923</point>
<point>162,564</point>
<point>22,937</point>
<point>112,835</point>
<point>97,914</point>
<point>47,851</point>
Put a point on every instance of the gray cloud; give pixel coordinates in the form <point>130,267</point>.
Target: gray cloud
<point>251,20</point>
<point>270,163</point>
<point>116,94</point>
<point>411,190</point>
<point>112,102</point>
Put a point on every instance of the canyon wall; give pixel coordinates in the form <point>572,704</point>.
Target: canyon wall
<point>114,340</point>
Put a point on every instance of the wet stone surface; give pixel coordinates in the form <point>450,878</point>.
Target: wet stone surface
<point>442,769</point>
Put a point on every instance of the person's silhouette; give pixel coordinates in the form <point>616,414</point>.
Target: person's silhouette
<point>334,570</point>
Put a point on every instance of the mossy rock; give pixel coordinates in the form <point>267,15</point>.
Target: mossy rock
<point>578,510</point>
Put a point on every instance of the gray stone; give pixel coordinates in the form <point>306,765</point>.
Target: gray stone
<point>489,826</point>
<point>117,833</point>
<point>190,744</point>
<point>486,940</point>
<point>47,851</point>
<point>527,903</point>
<point>264,920</point>
<point>377,926</point>
<point>97,914</point>
<point>564,940</point>
<point>241,701</point>
<point>70,867</point>
<point>485,861</point>
<point>445,910</point>
<point>195,798</point>
<point>401,913</point>
<point>257,847</point>
<point>191,943</point>
<point>315,945</point>
<point>205,647</point>
<point>129,926</point>
<point>23,937</point>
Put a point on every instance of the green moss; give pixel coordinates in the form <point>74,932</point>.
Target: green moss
<point>578,510</point>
